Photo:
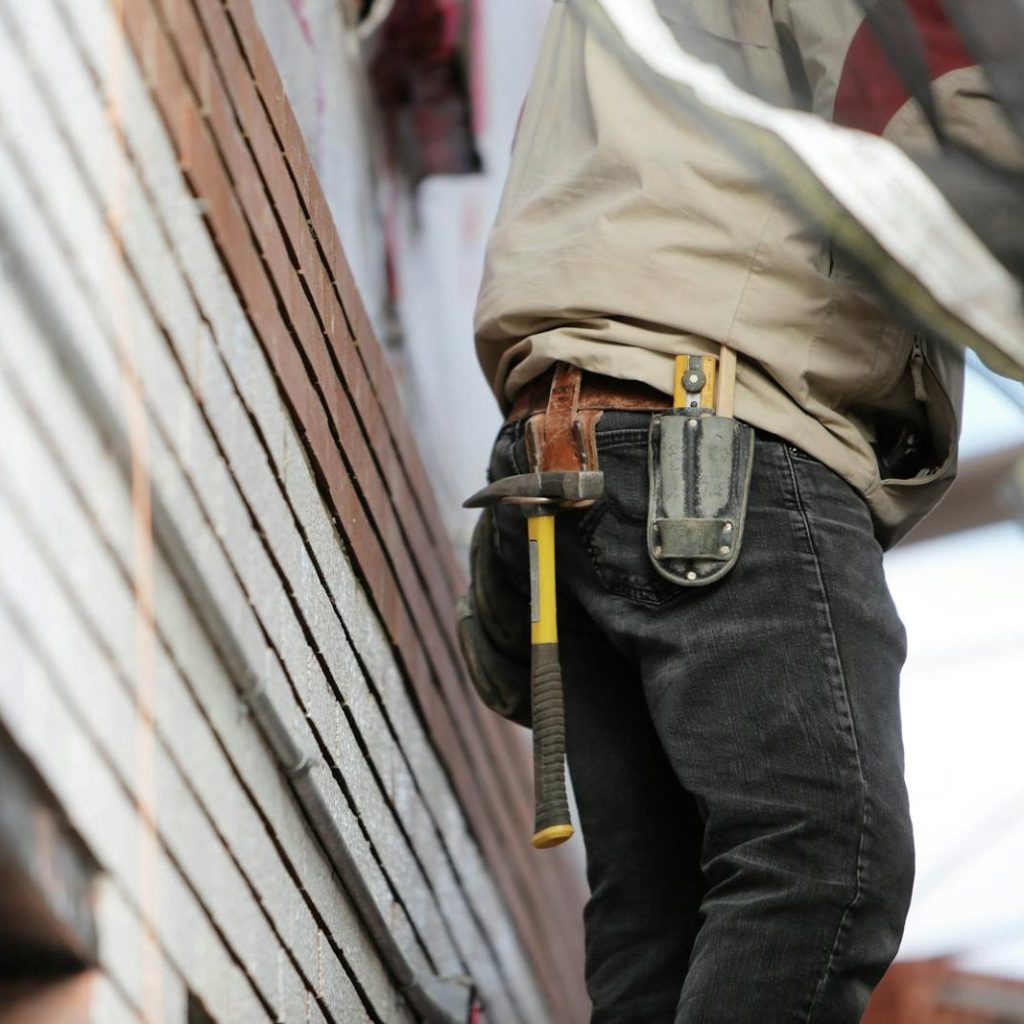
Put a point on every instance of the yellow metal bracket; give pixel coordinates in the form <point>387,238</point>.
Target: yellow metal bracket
<point>695,378</point>
<point>706,382</point>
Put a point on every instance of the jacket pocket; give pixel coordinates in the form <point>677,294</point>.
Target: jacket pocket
<point>942,419</point>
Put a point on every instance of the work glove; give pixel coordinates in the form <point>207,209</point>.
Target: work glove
<point>494,628</point>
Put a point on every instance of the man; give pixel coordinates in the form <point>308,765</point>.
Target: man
<point>735,748</point>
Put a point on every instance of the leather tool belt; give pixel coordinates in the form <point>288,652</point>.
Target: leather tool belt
<point>699,462</point>
<point>596,392</point>
<point>561,408</point>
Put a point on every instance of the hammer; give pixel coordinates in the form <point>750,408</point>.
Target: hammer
<point>541,495</point>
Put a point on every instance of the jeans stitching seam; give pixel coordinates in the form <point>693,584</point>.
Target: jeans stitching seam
<point>512,457</point>
<point>858,874</point>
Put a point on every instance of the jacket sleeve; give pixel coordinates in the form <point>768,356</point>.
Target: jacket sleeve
<point>852,81</point>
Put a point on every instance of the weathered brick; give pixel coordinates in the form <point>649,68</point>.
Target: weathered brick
<point>190,728</point>
<point>103,815</point>
<point>339,995</point>
<point>375,650</point>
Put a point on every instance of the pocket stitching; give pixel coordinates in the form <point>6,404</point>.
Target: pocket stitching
<point>641,595</point>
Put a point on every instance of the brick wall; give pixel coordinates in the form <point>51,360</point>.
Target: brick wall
<point>938,992</point>
<point>213,517</point>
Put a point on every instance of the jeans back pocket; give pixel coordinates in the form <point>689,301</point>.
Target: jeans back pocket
<point>614,529</point>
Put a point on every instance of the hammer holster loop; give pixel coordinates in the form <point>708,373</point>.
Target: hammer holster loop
<point>562,437</point>
<point>559,450</point>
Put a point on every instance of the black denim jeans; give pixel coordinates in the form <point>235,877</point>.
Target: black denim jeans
<point>735,750</point>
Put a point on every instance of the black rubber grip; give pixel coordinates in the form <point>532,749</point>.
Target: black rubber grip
<point>552,803</point>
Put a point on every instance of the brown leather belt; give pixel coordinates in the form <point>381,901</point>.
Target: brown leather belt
<point>563,405</point>
<point>596,392</point>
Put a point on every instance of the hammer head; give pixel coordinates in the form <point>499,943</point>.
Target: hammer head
<point>550,488</point>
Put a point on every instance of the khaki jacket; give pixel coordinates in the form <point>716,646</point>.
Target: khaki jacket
<point>627,235</point>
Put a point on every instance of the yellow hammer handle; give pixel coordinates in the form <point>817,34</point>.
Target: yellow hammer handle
<point>544,627</point>
<point>552,823</point>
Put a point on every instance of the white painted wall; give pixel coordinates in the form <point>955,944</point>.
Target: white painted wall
<point>443,230</point>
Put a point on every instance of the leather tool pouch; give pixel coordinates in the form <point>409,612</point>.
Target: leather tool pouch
<point>700,466</point>
<point>493,620</point>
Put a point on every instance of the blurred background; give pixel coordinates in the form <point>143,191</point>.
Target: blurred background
<point>407,110</point>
